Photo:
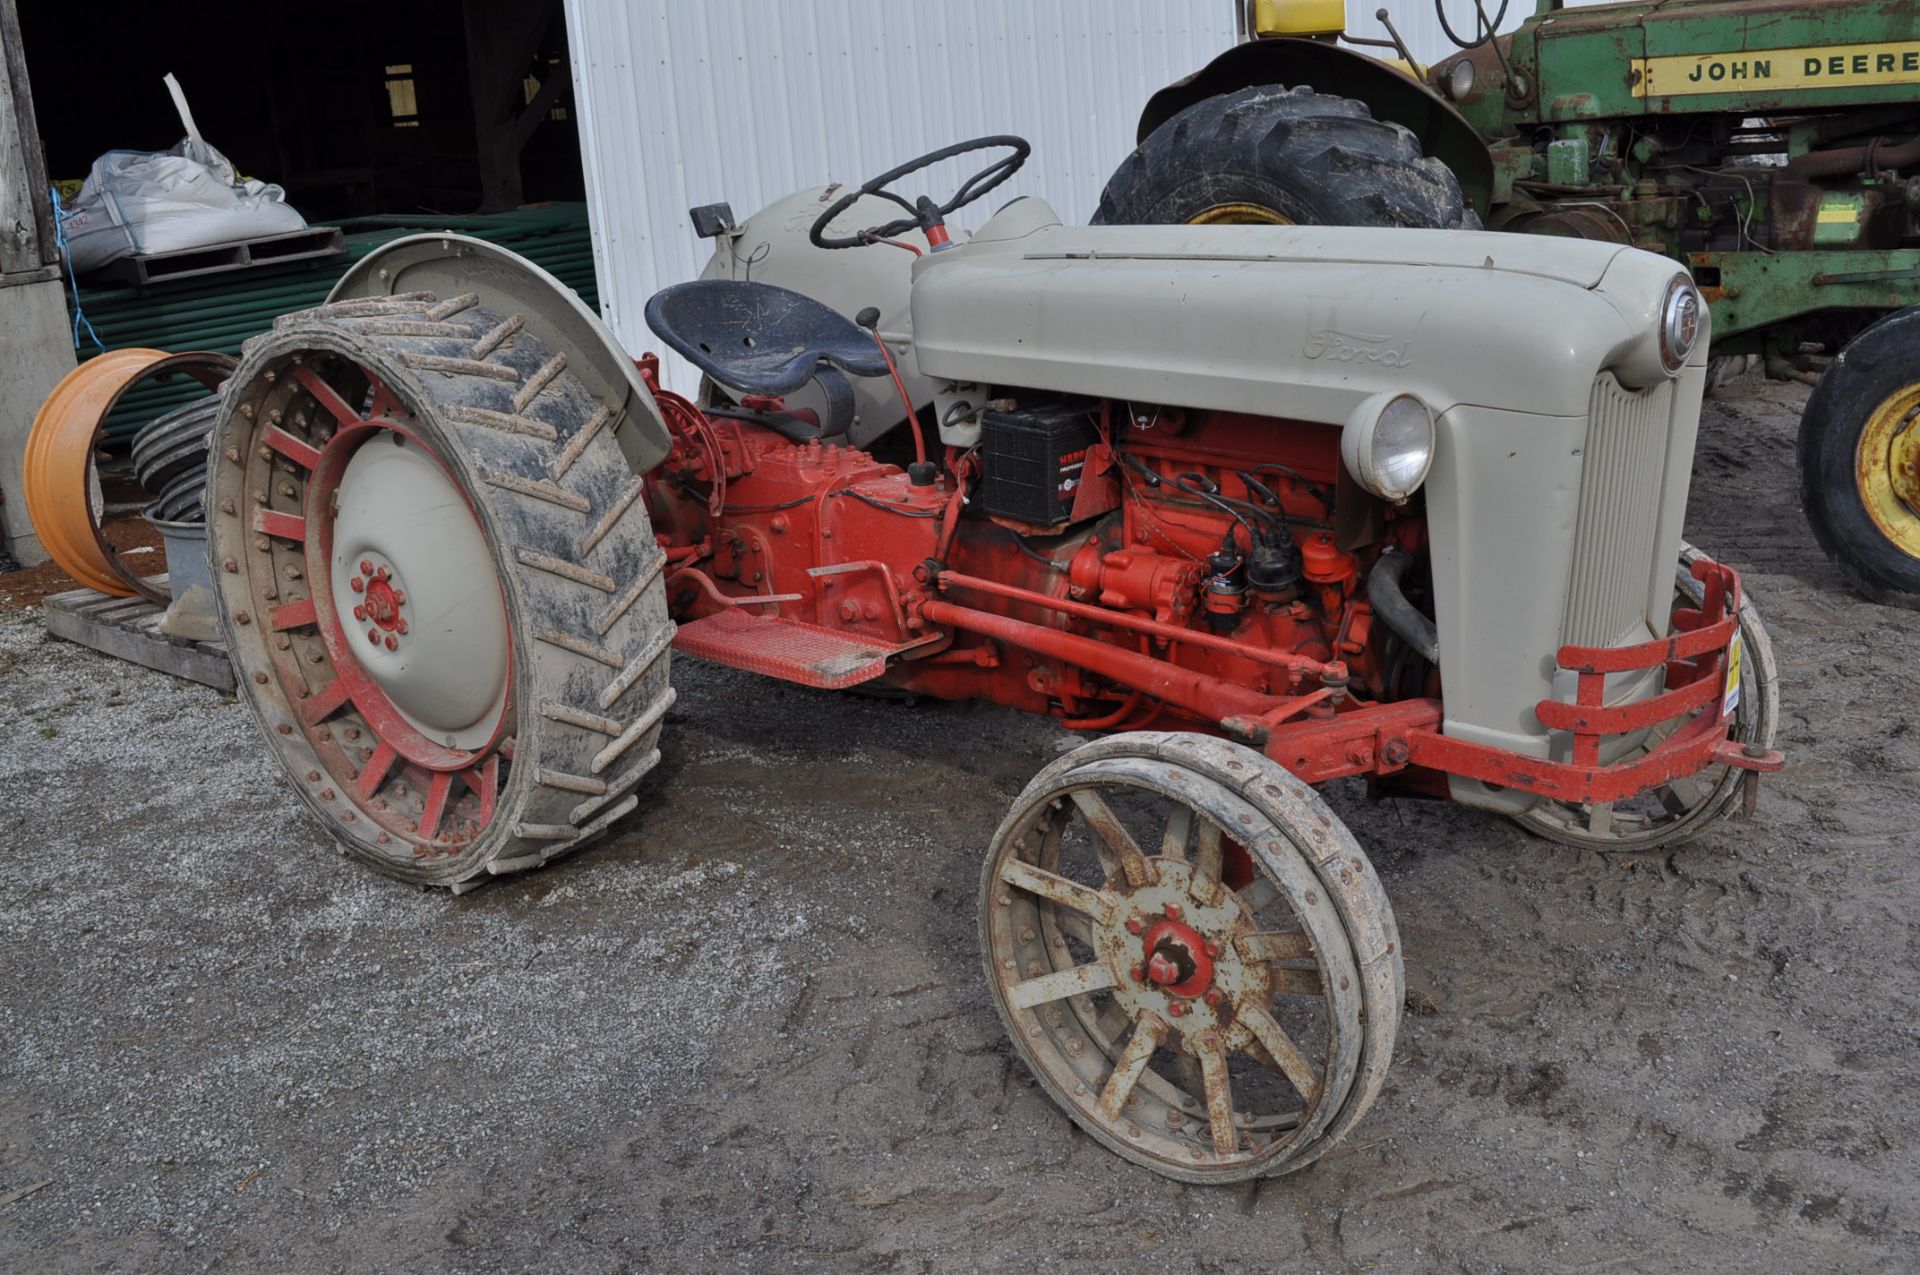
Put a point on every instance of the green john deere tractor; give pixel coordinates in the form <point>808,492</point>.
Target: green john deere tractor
<point>1772,147</point>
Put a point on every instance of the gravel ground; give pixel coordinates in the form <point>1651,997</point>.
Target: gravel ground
<point>748,1032</point>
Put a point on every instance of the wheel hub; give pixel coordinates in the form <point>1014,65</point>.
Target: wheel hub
<point>1887,468</point>
<point>380,604</point>
<point>1175,944</point>
<point>416,591</point>
<point>1903,463</point>
<point>1177,958</point>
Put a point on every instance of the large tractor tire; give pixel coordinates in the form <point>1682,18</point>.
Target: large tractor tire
<point>439,585</point>
<point>1283,156</point>
<point>1860,461</point>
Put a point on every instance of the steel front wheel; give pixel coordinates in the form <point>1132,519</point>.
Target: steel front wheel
<point>1191,955</point>
<point>1676,812</point>
<point>439,585</point>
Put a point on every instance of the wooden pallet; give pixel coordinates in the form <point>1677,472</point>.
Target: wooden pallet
<point>186,263</point>
<point>129,628</point>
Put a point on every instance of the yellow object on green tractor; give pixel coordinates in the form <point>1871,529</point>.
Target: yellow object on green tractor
<point>1323,20</point>
<point>1299,17</point>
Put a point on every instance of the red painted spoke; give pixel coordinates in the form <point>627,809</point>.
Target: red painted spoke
<point>292,615</point>
<point>437,790</point>
<point>374,773</point>
<point>323,704</point>
<point>384,403</point>
<point>484,779</point>
<point>299,452</point>
<point>326,396</point>
<point>272,522</point>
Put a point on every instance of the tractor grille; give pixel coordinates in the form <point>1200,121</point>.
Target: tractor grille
<point>1621,479</point>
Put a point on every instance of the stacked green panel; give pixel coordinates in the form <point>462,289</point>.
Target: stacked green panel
<point>219,312</point>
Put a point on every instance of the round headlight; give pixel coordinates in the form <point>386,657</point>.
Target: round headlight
<point>1679,322</point>
<point>1460,79</point>
<point>1388,445</point>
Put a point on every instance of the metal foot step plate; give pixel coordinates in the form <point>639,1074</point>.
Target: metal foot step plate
<point>788,649</point>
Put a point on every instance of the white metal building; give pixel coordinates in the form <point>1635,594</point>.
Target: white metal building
<point>685,102</point>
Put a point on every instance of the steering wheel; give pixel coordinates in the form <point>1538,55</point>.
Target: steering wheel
<point>924,213</point>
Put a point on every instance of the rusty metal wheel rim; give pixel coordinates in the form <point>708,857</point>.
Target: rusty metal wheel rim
<point>408,794</point>
<point>1071,971</point>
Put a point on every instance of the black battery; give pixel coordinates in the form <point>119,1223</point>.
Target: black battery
<point>1033,457</point>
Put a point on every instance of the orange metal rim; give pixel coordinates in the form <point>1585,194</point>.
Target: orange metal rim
<point>59,466</point>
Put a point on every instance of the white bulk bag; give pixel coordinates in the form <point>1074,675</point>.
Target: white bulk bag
<point>145,202</point>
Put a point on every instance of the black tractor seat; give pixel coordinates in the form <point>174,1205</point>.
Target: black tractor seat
<point>759,339</point>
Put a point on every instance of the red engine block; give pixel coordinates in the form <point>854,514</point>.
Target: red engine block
<point>823,565</point>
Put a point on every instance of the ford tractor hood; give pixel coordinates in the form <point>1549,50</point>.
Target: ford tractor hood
<point>1293,321</point>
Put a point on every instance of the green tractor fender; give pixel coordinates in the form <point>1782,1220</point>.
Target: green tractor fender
<point>1443,132</point>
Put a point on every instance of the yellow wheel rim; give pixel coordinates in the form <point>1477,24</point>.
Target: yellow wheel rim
<point>1239,215</point>
<point>1887,468</point>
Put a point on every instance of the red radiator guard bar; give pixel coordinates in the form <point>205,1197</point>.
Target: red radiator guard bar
<point>1695,658</point>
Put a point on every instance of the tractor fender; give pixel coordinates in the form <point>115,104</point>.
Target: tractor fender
<point>1443,132</point>
<point>451,265</point>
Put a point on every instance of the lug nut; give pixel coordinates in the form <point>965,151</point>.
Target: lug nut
<point>1137,974</point>
<point>382,573</point>
<point>1178,1009</point>
<point>359,613</point>
<point>400,627</point>
<point>393,642</point>
<point>1135,925</point>
<point>1213,949</point>
<point>1215,997</point>
<point>356,584</point>
<point>399,597</point>
<point>1173,911</point>
<point>373,636</point>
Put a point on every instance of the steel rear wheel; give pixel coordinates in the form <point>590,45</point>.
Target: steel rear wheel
<point>439,585</point>
<point>1676,812</point>
<point>1205,975</point>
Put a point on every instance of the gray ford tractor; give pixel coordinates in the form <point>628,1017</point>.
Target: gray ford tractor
<point>1257,507</point>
